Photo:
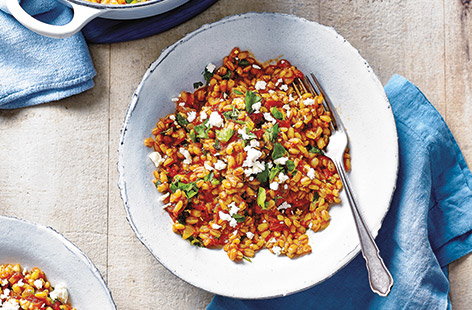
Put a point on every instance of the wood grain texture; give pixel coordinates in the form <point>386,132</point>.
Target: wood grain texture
<point>60,167</point>
<point>458,87</point>
<point>54,164</point>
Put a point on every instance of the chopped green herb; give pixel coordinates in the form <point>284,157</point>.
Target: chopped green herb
<point>193,135</point>
<point>217,145</point>
<point>233,114</point>
<point>315,150</point>
<point>239,218</point>
<point>215,181</point>
<point>208,177</point>
<point>181,120</point>
<point>263,176</point>
<point>237,92</point>
<point>276,113</point>
<point>261,198</point>
<point>278,197</point>
<point>207,75</point>
<point>158,183</point>
<point>227,75</point>
<point>201,131</point>
<point>244,63</point>
<point>197,85</point>
<point>190,189</point>
<point>290,165</point>
<point>224,134</point>
<point>278,151</point>
<point>250,99</point>
<point>274,171</point>
<point>272,132</point>
<point>316,196</point>
<point>247,259</point>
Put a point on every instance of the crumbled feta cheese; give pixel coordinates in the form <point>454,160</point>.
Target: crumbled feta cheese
<point>175,99</point>
<point>207,166</point>
<point>260,85</point>
<point>287,109</point>
<point>233,208</point>
<point>228,218</point>
<point>39,284</point>
<point>286,186</point>
<point>279,81</point>
<point>311,173</point>
<point>215,120</point>
<point>4,282</point>
<point>60,293</point>
<point>215,226</point>
<point>274,186</point>
<point>252,156</point>
<point>172,117</point>
<point>244,135</point>
<point>166,205</point>
<point>276,249</point>
<point>284,205</point>
<point>220,165</point>
<point>250,235</point>
<point>256,168</point>
<point>156,158</point>
<point>290,98</point>
<point>269,118</point>
<point>283,177</point>
<point>11,304</point>
<point>251,179</point>
<point>270,164</point>
<point>309,101</point>
<point>310,225</point>
<point>6,293</point>
<point>210,67</point>
<point>20,283</point>
<point>203,115</point>
<point>254,143</point>
<point>281,161</point>
<point>162,198</point>
<point>181,104</point>
<point>191,116</point>
<point>256,66</point>
<point>257,106</point>
<point>272,240</point>
<point>186,154</point>
<point>235,232</point>
<point>284,87</point>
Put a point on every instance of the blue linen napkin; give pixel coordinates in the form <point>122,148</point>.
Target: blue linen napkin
<point>35,69</point>
<point>428,226</point>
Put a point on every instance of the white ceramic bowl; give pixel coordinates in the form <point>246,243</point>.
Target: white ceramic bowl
<point>360,100</point>
<point>85,11</point>
<point>33,245</point>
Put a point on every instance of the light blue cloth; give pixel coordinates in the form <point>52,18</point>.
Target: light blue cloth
<point>35,69</point>
<point>427,227</point>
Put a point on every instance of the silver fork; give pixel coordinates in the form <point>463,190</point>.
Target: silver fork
<point>380,279</point>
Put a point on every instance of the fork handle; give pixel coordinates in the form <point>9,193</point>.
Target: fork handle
<point>380,279</point>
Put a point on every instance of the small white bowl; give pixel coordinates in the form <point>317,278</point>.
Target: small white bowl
<point>33,245</point>
<point>360,100</point>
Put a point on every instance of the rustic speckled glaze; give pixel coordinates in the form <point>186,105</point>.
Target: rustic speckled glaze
<point>360,99</point>
<point>33,245</point>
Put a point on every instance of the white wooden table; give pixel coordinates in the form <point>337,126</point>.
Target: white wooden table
<point>58,160</point>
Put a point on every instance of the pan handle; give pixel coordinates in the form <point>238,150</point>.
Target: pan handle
<point>82,15</point>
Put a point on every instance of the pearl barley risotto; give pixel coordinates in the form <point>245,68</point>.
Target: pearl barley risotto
<point>22,289</point>
<point>240,163</point>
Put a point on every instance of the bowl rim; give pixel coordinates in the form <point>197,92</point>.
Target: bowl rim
<point>71,247</point>
<point>134,100</point>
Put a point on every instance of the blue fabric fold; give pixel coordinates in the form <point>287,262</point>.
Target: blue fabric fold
<point>35,69</point>
<point>428,226</point>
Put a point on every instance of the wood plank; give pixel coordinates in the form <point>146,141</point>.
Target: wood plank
<point>404,37</point>
<point>458,49</point>
<point>54,167</point>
